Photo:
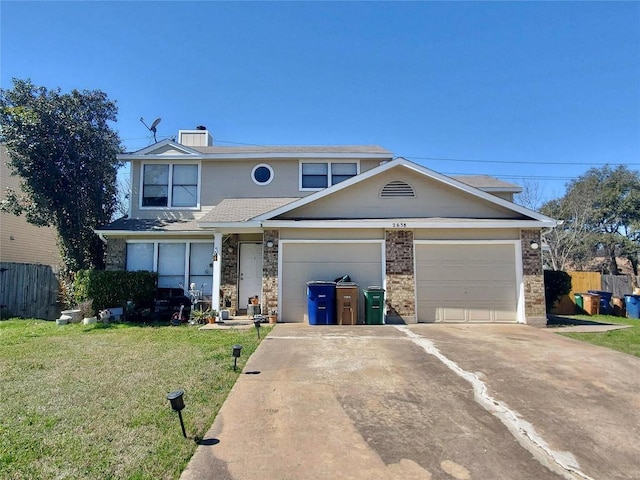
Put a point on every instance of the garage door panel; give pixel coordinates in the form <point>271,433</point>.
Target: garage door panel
<point>466,282</point>
<point>304,262</point>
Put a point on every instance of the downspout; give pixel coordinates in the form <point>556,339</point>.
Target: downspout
<point>102,237</point>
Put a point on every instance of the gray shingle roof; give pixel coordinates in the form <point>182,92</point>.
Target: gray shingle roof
<point>486,182</point>
<point>290,149</point>
<point>242,209</point>
<point>151,225</point>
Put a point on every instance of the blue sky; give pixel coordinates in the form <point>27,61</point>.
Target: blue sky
<point>525,91</point>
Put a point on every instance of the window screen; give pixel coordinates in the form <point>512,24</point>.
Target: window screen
<point>315,175</point>
<point>155,188</point>
<point>342,171</point>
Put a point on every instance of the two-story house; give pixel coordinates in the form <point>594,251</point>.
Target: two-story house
<point>245,221</point>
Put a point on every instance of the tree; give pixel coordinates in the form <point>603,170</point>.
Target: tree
<point>531,195</point>
<point>63,148</point>
<point>565,241</point>
<point>122,197</point>
<point>601,213</point>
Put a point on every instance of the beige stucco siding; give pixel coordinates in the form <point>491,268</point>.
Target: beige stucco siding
<point>332,234</point>
<point>467,234</point>
<point>432,199</point>
<point>230,179</point>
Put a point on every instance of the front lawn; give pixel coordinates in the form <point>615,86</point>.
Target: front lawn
<point>90,401</point>
<point>625,340</point>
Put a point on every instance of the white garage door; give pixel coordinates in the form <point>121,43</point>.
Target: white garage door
<point>466,282</point>
<point>325,261</point>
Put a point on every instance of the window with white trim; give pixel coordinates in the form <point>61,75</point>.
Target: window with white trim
<point>318,175</point>
<point>177,263</point>
<point>262,174</point>
<point>170,185</point>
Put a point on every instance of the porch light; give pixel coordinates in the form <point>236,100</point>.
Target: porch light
<point>269,244</point>
<point>534,245</point>
<point>237,348</point>
<point>215,254</point>
<point>177,404</point>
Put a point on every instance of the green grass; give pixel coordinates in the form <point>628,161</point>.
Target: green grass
<point>625,340</point>
<point>90,401</point>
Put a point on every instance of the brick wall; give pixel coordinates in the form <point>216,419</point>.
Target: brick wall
<point>535,310</point>
<point>115,257</point>
<point>229,271</point>
<point>400,294</point>
<point>270,271</point>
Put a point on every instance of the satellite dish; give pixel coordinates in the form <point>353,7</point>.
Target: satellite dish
<point>153,126</point>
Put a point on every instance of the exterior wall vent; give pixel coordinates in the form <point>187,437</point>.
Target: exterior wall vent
<point>397,189</point>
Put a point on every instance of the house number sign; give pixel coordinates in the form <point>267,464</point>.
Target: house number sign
<point>399,225</point>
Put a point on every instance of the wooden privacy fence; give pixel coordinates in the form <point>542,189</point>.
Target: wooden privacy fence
<point>582,282</point>
<point>28,291</point>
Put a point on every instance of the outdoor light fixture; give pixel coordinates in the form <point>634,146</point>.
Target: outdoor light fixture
<point>534,245</point>
<point>237,348</point>
<point>215,254</point>
<point>177,404</point>
<point>269,244</point>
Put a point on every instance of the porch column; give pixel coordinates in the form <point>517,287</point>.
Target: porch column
<point>217,270</point>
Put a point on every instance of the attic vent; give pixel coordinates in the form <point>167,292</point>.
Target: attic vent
<point>397,189</point>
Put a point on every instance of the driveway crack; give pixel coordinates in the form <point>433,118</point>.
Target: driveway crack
<point>563,463</point>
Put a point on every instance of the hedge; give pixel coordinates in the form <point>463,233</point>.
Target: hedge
<point>110,289</point>
<point>556,284</point>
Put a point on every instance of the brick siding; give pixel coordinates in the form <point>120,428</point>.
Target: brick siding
<point>400,294</point>
<point>229,272</point>
<point>115,257</point>
<point>533,278</point>
<point>270,271</point>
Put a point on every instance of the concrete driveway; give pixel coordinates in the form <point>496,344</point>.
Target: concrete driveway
<point>426,402</point>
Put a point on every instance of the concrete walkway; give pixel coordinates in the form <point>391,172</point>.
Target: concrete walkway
<point>426,402</point>
<point>588,328</point>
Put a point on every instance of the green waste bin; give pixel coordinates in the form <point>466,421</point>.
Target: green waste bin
<point>374,305</point>
<point>579,303</point>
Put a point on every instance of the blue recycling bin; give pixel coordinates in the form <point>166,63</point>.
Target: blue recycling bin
<point>632,302</point>
<point>605,301</point>
<point>321,303</point>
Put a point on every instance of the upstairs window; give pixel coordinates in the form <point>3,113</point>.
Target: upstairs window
<point>318,175</point>
<point>342,171</point>
<point>169,185</point>
<point>315,175</point>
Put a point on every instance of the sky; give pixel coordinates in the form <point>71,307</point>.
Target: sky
<point>534,93</point>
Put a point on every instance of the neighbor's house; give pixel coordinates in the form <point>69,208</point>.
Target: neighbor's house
<point>20,241</point>
<point>245,221</point>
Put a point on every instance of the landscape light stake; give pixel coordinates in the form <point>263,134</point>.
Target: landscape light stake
<point>257,324</point>
<point>237,348</point>
<point>177,404</point>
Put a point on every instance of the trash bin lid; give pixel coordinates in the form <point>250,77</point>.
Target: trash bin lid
<point>320,282</point>
<point>346,284</point>
<point>375,288</point>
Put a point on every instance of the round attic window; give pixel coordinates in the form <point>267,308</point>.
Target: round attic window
<point>262,174</point>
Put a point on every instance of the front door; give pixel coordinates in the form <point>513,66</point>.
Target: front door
<point>250,283</point>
